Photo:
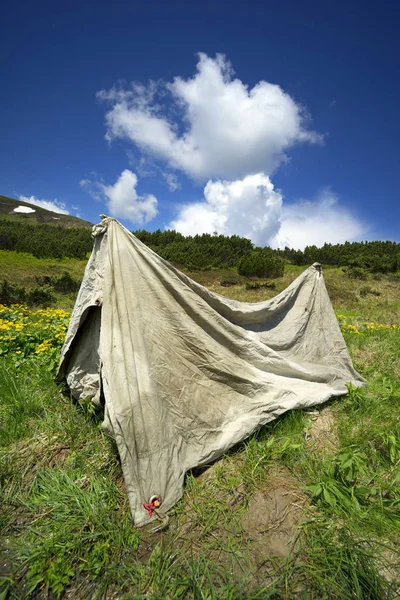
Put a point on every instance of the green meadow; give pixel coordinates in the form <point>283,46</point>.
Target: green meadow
<point>308,507</point>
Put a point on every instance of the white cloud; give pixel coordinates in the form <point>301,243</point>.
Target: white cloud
<point>249,207</point>
<point>122,198</point>
<point>217,126</point>
<point>214,127</point>
<point>124,202</point>
<point>172,182</point>
<point>308,223</point>
<point>252,208</point>
<point>53,205</point>
<point>24,209</point>
<point>92,188</point>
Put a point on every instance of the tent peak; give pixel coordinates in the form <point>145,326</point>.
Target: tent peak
<point>101,227</point>
<point>318,267</point>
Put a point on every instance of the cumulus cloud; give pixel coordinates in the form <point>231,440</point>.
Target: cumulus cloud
<point>211,125</point>
<point>248,207</point>
<point>124,202</point>
<point>122,198</point>
<point>53,205</point>
<point>252,208</point>
<point>308,223</point>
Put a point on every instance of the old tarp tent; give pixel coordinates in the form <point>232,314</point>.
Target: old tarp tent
<point>184,373</point>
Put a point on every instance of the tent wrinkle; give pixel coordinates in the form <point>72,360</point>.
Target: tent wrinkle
<point>184,373</point>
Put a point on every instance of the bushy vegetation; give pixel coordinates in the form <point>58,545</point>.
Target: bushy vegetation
<point>42,294</point>
<point>45,241</point>
<point>214,251</point>
<point>259,285</point>
<point>64,283</point>
<point>376,257</point>
<point>197,252</point>
<point>261,263</point>
<point>202,252</point>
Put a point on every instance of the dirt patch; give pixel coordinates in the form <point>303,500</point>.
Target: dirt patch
<point>59,455</point>
<point>209,527</point>
<point>322,434</point>
<point>390,569</point>
<point>239,531</point>
<point>272,518</point>
<point>5,564</point>
<point>42,450</point>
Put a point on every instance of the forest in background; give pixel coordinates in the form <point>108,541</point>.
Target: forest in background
<point>206,251</point>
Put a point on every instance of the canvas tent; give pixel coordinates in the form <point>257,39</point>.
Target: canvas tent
<point>185,373</point>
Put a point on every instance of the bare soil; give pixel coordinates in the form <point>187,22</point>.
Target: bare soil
<point>322,434</point>
<point>274,513</point>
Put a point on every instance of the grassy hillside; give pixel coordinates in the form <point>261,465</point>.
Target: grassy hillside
<point>23,268</point>
<point>40,215</point>
<point>308,507</point>
<point>380,291</point>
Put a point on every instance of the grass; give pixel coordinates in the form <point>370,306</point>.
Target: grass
<point>65,522</point>
<point>22,268</point>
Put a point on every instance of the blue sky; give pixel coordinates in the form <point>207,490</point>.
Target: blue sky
<point>277,121</point>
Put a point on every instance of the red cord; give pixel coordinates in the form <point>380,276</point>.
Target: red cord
<point>150,507</point>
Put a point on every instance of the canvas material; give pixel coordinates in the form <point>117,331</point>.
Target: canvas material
<point>187,373</point>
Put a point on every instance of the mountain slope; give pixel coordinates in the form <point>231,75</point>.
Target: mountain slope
<point>36,214</point>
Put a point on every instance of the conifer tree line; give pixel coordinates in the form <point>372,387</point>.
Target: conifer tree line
<point>207,251</point>
<point>201,252</point>
<point>197,252</point>
<point>45,241</point>
<point>376,257</point>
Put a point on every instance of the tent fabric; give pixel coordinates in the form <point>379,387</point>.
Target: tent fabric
<point>185,373</point>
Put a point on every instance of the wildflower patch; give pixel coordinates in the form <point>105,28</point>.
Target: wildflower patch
<point>28,333</point>
<point>360,325</point>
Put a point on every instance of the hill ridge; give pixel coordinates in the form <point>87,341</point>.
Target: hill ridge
<point>37,215</point>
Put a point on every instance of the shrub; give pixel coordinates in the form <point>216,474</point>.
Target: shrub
<point>256,285</point>
<point>356,273</point>
<point>43,280</point>
<point>45,241</point>
<point>64,284</point>
<point>261,263</point>
<point>40,296</point>
<point>11,293</point>
<point>230,280</point>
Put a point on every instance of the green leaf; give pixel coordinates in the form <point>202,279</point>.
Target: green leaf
<point>315,490</point>
<point>329,498</point>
